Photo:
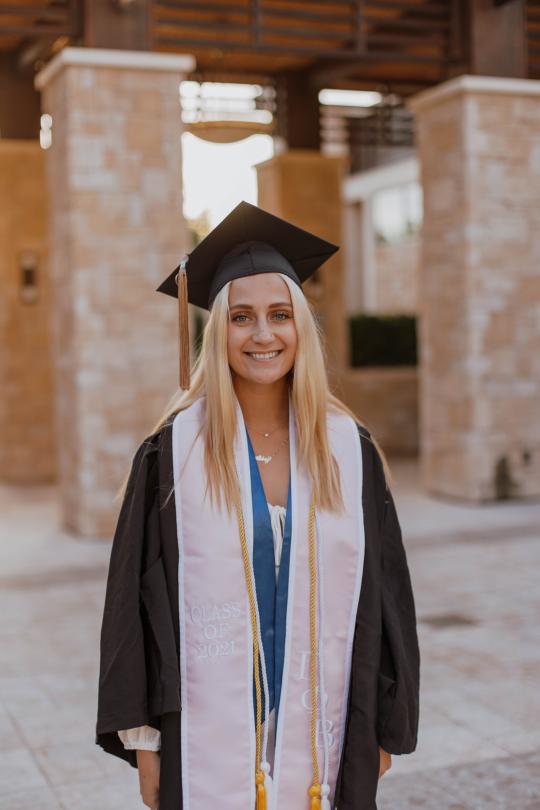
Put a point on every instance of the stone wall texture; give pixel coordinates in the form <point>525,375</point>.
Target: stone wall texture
<point>480,290</point>
<point>386,400</point>
<point>396,269</point>
<point>117,231</point>
<point>27,441</point>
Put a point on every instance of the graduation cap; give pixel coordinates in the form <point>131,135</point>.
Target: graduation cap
<point>247,242</point>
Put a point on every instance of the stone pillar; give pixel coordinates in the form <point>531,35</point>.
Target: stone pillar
<point>27,441</point>
<point>479,148</point>
<point>116,231</point>
<point>304,187</point>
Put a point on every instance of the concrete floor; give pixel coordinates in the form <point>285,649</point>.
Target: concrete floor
<point>475,575</point>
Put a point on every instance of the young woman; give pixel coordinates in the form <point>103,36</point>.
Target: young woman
<point>259,644</point>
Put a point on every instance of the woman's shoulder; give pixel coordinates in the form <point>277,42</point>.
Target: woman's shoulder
<point>150,444</point>
<point>345,417</point>
<point>372,459</point>
<point>194,411</point>
<point>155,441</point>
<point>364,432</point>
<point>370,452</point>
<point>149,449</point>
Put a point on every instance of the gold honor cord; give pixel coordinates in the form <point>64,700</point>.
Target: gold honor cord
<point>314,790</point>
<point>259,775</point>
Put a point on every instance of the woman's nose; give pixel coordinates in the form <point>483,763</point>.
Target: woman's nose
<point>263,334</point>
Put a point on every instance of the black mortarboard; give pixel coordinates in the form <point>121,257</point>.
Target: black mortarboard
<point>247,242</point>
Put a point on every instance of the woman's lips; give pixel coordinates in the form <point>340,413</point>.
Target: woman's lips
<point>264,357</point>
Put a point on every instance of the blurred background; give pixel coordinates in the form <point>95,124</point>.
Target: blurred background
<point>408,132</point>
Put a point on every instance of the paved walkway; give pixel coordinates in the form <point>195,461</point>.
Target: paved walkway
<point>475,573</point>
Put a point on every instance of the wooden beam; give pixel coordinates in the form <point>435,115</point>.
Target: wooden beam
<point>195,6</point>
<point>297,111</point>
<point>20,103</point>
<point>38,30</point>
<point>403,7</point>
<point>108,25</point>
<point>33,11</point>
<point>257,31</point>
<point>292,50</point>
<point>34,20</point>
<point>498,38</point>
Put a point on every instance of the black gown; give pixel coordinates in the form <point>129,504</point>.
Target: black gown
<point>139,681</point>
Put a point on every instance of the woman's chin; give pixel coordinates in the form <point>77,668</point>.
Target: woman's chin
<point>263,376</point>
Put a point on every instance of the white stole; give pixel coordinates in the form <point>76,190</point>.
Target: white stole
<point>216,648</point>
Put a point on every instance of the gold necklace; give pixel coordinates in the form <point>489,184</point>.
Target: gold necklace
<point>261,778</point>
<point>268,459</point>
<point>268,434</point>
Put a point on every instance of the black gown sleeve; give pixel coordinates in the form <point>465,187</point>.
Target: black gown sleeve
<point>132,671</point>
<point>399,669</point>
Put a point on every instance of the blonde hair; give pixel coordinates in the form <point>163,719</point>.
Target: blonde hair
<point>311,398</point>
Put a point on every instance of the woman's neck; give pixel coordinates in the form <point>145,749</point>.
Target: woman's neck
<point>264,407</point>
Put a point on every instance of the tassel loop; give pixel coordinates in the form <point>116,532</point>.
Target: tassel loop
<point>183,321</point>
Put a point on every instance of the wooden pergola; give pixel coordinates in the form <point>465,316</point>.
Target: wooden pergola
<point>299,46</point>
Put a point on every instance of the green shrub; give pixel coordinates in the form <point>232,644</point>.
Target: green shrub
<point>383,340</point>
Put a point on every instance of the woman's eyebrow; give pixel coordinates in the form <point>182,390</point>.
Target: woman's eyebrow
<point>250,306</point>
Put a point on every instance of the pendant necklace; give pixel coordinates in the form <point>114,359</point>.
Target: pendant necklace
<point>269,433</point>
<point>268,459</point>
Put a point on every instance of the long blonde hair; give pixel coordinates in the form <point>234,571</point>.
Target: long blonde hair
<point>311,398</point>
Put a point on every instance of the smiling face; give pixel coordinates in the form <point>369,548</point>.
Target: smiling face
<point>261,335</point>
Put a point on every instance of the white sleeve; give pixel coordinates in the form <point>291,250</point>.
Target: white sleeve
<point>143,738</point>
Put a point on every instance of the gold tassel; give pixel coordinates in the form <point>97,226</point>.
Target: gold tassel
<point>183,320</point>
<point>261,791</point>
<point>315,794</point>
<point>315,790</point>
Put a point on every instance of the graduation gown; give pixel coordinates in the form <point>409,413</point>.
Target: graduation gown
<point>139,682</point>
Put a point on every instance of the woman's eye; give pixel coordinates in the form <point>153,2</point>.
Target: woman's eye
<point>278,316</point>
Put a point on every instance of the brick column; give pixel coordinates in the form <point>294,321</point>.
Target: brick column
<point>479,148</point>
<point>116,231</point>
<point>304,187</point>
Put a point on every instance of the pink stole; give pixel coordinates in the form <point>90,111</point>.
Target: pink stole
<point>216,653</point>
